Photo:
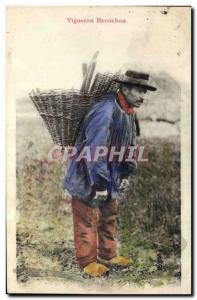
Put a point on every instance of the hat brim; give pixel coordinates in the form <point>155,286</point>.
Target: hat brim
<point>146,86</point>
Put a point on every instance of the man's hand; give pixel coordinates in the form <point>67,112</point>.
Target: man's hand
<point>68,196</point>
<point>101,195</point>
<point>124,185</point>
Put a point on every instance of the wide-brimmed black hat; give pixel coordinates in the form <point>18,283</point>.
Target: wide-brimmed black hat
<point>136,79</point>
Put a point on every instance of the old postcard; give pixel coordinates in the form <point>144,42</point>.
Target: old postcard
<point>99,150</point>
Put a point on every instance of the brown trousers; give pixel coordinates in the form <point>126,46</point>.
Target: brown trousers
<point>94,231</point>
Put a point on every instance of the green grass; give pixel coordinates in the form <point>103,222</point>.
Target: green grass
<point>149,220</point>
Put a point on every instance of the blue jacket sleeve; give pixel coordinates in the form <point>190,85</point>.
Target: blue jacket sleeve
<point>97,133</point>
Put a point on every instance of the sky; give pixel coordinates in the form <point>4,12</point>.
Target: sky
<point>45,51</point>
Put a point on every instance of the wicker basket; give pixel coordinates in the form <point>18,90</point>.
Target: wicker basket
<point>104,83</point>
<point>63,110</point>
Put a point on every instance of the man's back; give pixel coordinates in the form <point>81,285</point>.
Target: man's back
<point>105,124</point>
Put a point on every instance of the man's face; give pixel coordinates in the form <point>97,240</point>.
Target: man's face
<point>134,95</point>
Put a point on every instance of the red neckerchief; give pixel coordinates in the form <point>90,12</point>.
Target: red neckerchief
<point>124,104</point>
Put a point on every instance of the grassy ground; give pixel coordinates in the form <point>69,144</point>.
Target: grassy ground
<point>149,221</point>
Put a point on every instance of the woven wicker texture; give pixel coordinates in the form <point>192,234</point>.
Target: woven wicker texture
<point>63,110</point>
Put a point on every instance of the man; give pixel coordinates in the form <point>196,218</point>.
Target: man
<point>94,185</point>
